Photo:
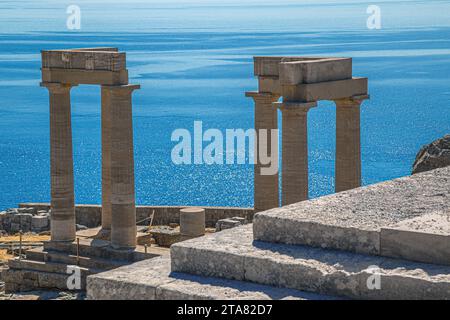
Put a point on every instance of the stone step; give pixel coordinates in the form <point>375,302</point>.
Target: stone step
<point>101,249</point>
<point>153,280</point>
<point>233,254</point>
<point>38,254</point>
<point>353,220</point>
<point>17,280</point>
<point>86,262</point>
<point>52,267</point>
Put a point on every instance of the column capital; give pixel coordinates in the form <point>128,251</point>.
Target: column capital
<point>57,87</point>
<point>262,95</point>
<point>354,101</point>
<point>295,108</point>
<point>122,89</point>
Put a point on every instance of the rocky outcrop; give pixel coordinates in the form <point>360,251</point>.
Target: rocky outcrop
<point>25,220</point>
<point>432,156</point>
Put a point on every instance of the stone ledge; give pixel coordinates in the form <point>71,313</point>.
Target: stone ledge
<point>233,254</point>
<point>352,220</point>
<point>152,280</point>
<point>89,215</point>
<point>423,239</point>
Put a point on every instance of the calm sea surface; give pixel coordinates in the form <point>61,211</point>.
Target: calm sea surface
<point>193,60</point>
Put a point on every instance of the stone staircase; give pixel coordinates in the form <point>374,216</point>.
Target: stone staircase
<point>385,241</point>
<point>47,267</point>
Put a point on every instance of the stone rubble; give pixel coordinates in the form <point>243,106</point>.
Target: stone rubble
<point>14,220</point>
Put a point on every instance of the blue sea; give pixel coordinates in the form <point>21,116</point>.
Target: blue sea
<point>193,60</point>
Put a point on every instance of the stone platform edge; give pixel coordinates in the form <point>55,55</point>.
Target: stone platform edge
<point>353,220</point>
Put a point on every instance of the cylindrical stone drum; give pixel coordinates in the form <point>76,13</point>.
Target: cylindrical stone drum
<point>192,222</point>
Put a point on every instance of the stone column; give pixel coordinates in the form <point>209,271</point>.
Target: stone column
<point>266,193</point>
<point>106,161</point>
<point>123,208</point>
<point>348,144</point>
<point>61,163</point>
<point>294,152</point>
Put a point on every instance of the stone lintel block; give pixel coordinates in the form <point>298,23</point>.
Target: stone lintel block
<point>269,66</point>
<point>423,239</point>
<point>269,84</point>
<point>330,90</point>
<point>90,59</point>
<point>314,71</point>
<point>76,76</point>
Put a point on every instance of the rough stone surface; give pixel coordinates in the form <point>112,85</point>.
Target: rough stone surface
<point>233,254</point>
<point>192,221</point>
<point>90,215</point>
<point>424,239</point>
<point>42,295</point>
<point>224,224</point>
<point>39,223</point>
<point>352,220</point>
<point>433,155</point>
<point>153,280</point>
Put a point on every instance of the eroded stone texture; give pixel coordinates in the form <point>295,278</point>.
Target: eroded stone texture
<point>352,220</point>
<point>424,239</point>
<point>266,193</point>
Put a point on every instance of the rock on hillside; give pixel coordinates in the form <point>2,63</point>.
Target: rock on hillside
<point>434,155</point>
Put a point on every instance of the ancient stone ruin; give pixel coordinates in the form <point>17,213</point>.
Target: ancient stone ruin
<point>302,82</point>
<point>384,241</point>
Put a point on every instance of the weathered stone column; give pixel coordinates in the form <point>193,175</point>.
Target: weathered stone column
<point>294,152</point>
<point>266,193</point>
<point>106,161</point>
<point>348,144</point>
<point>123,208</point>
<point>61,163</point>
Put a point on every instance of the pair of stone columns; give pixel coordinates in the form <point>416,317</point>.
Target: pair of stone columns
<point>118,194</point>
<point>294,174</point>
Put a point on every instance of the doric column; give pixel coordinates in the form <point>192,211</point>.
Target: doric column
<point>123,208</point>
<point>106,160</point>
<point>348,144</point>
<point>294,151</point>
<point>61,163</point>
<point>266,194</point>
